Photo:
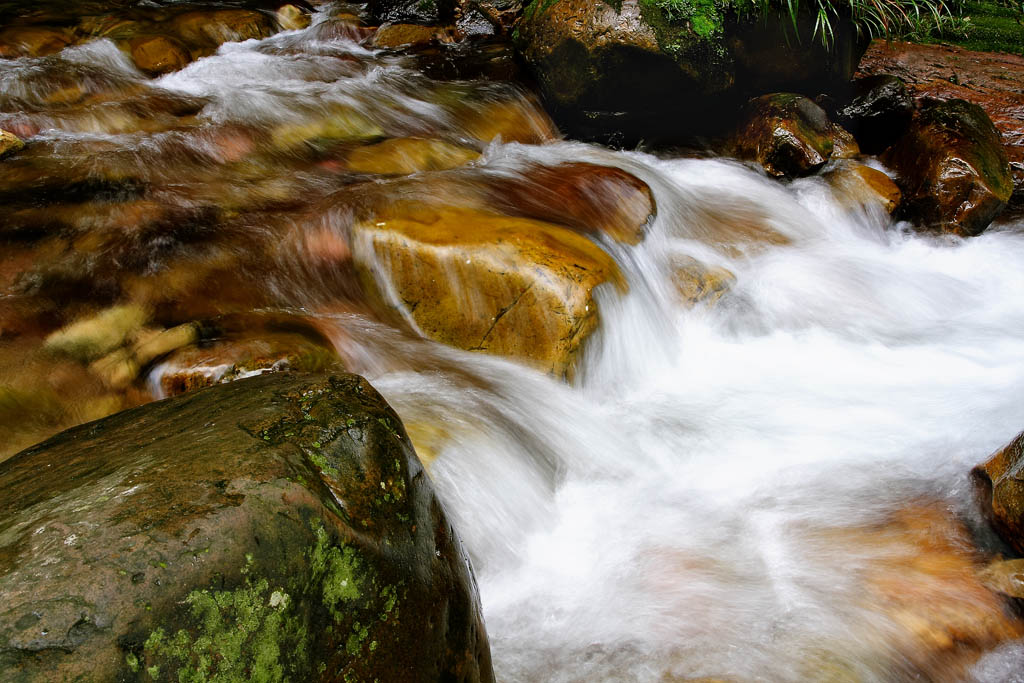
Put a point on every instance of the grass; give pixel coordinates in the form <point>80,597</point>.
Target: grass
<point>988,26</point>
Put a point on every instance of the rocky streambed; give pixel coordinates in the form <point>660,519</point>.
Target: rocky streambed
<point>704,409</point>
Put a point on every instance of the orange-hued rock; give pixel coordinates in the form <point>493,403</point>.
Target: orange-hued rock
<point>157,55</point>
<point>33,41</point>
<point>399,35</point>
<point>699,283</point>
<point>1001,482</point>
<point>857,184</point>
<point>204,31</point>
<point>508,286</point>
<point>520,120</point>
<point>788,134</point>
<point>401,156</point>
<point>587,197</point>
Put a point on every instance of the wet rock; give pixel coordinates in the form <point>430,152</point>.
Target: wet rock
<point>698,283</point>
<point>93,337</point>
<point>401,156</point>
<point>952,169</point>
<point>275,528</point>
<point>844,145</point>
<point>9,144</point>
<point>32,41</point>
<point>346,125</point>
<point>400,35</point>
<point>500,14</point>
<point>291,18</point>
<point>412,11</point>
<point>157,55</point>
<point>242,356</point>
<point>122,366</point>
<point>1000,482</point>
<point>204,31</point>
<point>586,197</point>
<point>1005,576</point>
<point>788,134</point>
<point>508,286</point>
<point>519,120</point>
<point>879,112</point>
<point>859,185</point>
<point>989,79</point>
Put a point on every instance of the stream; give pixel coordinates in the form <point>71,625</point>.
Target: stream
<point>772,487</point>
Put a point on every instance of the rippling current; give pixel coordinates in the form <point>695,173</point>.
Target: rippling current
<point>760,489</point>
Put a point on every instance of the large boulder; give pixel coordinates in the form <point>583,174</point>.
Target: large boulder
<point>1001,484</point>
<point>642,69</point>
<point>482,282</point>
<point>277,528</point>
<point>989,79</point>
<point>952,168</point>
<point>879,113</point>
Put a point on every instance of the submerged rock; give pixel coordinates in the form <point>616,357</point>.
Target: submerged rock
<point>278,528</point>
<point>91,338</point>
<point>587,197</point>
<point>157,55</point>
<point>33,41</point>
<point>1001,484</point>
<point>859,185</point>
<point>508,286</point>
<point>952,168</point>
<point>699,283</point>
<point>788,134</point>
<point>291,18</point>
<point>401,156</point>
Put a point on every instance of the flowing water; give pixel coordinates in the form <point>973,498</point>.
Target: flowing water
<point>759,489</point>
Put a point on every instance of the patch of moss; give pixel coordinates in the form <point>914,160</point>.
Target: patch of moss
<point>337,570</point>
<point>988,27</point>
<point>249,633</point>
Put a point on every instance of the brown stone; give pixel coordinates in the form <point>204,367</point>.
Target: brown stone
<point>698,283</point>
<point>788,134</point>
<point>586,197</point>
<point>32,41</point>
<point>278,528</point>
<point>402,156</point>
<point>478,281</point>
<point>860,185</point>
<point>951,168</point>
<point>520,120</point>
<point>291,18</point>
<point>157,55</point>
<point>992,80</point>
<point>401,35</point>
<point>204,31</point>
<point>1000,482</point>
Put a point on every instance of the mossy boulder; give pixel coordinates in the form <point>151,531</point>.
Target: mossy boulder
<point>788,134</point>
<point>277,528</point>
<point>508,286</point>
<point>664,69</point>
<point>952,168</point>
<point>1000,483</point>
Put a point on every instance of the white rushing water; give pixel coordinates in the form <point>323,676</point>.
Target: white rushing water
<point>652,518</point>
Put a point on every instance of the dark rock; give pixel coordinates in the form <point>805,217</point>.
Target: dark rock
<point>788,134</point>
<point>412,11</point>
<point>1000,482</point>
<point>638,70</point>
<point>879,112</point>
<point>276,528</point>
<point>952,168</point>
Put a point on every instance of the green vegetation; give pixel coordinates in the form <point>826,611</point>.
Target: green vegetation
<point>988,26</point>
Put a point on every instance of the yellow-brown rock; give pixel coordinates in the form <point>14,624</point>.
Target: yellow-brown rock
<point>291,18</point>
<point>507,286</point>
<point>96,336</point>
<point>699,283</point>
<point>9,143</point>
<point>401,156</point>
<point>157,55</point>
<point>399,35</point>
<point>517,120</point>
<point>844,145</point>
<point>1005,576</point>
<point>1001,483</point>
<point>204,31</point>
<point>857,184</point>
<point>32,41</point>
